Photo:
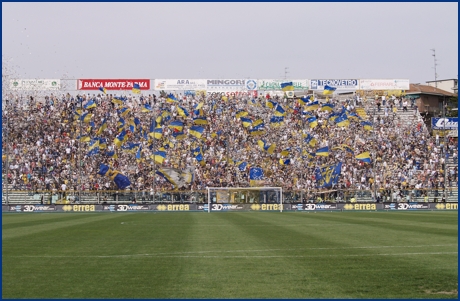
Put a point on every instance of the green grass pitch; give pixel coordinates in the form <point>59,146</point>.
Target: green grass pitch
<point>230,255</point>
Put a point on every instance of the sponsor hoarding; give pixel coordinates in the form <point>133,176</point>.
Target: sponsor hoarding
<point>231,85</point>
<point>339,84</point>
<point>406,206</point>
<point>112,84</point>
<point>180,84</point>
<point>35,84</point>
<point>444,206</point>
<point>384,84</point>
<point>444,123</point>
<point>221,207</point>
<point>275,84</point>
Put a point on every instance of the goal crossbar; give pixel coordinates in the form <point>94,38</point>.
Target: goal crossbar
<point>263,188</point>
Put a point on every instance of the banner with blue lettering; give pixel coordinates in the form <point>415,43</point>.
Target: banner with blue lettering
<point>328,176</point>
<point>338,84</point>
<point>444,123</point>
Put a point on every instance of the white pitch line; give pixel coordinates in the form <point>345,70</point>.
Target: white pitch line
<point>245,256</point>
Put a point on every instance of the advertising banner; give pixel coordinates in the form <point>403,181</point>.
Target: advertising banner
<point>180,84</point>
<point>221,207</point>
<point>231,85</point>
<point>444,206</point>
<point>275,84</point>
<point>384,84</point>
<point>112,84</point>
<point>310,207</point>
<point>444,123</point>
<point>406,206</point>
<point>339,84</point>
<point>35,84</point>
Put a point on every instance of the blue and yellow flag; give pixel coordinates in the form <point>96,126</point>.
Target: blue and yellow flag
<point>157,133</point>
<point>112,154</point>
<point>182,111</point>
<point>364,157</point>
<point>199,157</point>
<point>310,140</point>
<point>285,161</point>
<point>159,156</point>
<point>177,125</point>
<point>276,120</point>
<point>271,104</point>
<point>259,123</point>
<point>324,151</point>
<point>241,165</point>
<point>102,143</point>
<point>120,180</point>
<point>146,108</point>
<point>120,139</point>
<point>198,106</point>
<point>327,107</point>
<point>312,106</point>
<point>102,127</point>
<point>256,132</point>
<point>246,121</point>
<point>287,86</point>
<point>304,100</point>
<point>86,118</point>
<point>266,147</point>
<point>279,111</point>
<point>256,176</point>
<point>312,122</point>
<point>196,131</point>
<point>124,111</point>
<point>342,121</point>
<point>136,88</point>
<point>130,147</point>
<point>139,154</point>
<point>117,100</point>
<point>171,98</point>
<point>328,90</point>
<point>200,120</point>
<point>178,135</point>
<point>367,125</point>
<point>353,116</point>
<point>90,104</point>
<point>285,152</point>
<point>103,90</point>
<point>328,176</point>
<point>241,113</point>
<point>84,138</point>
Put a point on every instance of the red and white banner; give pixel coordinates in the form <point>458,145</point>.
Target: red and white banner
<point>112,84</point>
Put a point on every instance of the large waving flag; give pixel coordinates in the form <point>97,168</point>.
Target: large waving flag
<point>276,120</point>
<point>328,90</point>
<point>120,138</point>
<point>256,176</point>
<point>136,88</point>
<point>159,156</point>
<point>287,86</point>
<point>177,125</point>
<point>118,100</point>
<point>246,121</point>
<point>367,125</point>
<point>327,107</point>
<point>258,124</point>
<point>312,106</point>
<point>173,176</point>
<point>200,120</point>
<point>196,131</point>
<point>256,132</point>
<point>310,140</point>
<point>146,108</point>
<point>364,157</point>
<point>242,165</point>
<point>324,151</point>
<point>179,135</point>
<point>285,161</point>
<point>120,180</point>
<point>171,98</point>
<point>312,122</point>
<point>342,121</point>
<point>112,154</point>
<point>328,176</point>
<point>90,104</point>
<point>279,111</point>
<point>102,127</point>
<point>241,113</point>
<point>266,147</point>
<point>271,104</point>
<point>182,111</point>
<point>124,111</point>
<point>157,133</point>
<point>130,147</point>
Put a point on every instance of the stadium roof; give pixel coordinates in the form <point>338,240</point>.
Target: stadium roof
<point>425,89</point>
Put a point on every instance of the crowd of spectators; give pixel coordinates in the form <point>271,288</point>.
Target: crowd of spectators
<point>45,152</point>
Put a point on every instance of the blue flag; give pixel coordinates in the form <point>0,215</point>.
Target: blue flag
<point>328,176</point>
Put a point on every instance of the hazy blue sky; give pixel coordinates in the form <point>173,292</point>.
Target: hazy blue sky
<point>230,40</point>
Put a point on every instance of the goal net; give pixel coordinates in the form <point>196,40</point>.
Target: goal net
<point>244,198</point>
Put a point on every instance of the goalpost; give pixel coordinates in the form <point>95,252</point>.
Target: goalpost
<point>253,198</point>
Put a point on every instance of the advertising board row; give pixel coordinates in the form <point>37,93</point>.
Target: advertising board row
<point>215,85</point>
<point>230,207</point>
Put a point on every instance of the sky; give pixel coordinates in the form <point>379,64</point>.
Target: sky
<point>226,40</point>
